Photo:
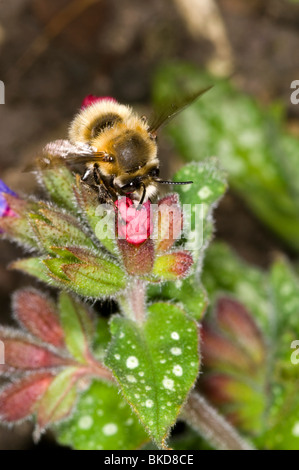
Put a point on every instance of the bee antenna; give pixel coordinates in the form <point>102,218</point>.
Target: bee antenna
<point>174,182</point>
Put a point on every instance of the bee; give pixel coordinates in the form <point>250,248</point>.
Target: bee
<point>117,147</point>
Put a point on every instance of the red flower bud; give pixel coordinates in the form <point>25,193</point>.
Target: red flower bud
<point>234,319</point>
<point>24,355</point>
<point>18,400</point>
<point>38,315</point>
<point>91,99</point>
<point>170,222</point>
<point>133,224</point>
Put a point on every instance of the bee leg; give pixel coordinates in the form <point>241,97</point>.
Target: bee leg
<point>103,191</point>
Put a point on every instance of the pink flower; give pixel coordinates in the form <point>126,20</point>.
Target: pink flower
<point>91,99</point>
<point>133,224</point>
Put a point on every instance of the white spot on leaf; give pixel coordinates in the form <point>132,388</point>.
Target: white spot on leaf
<point>132,362</point>
<point>177,370</point>
<point>175,335</point>
<point>149,403</point>
<point>131,378</point>
<point>168,383</point>
<point>204,192</point>
<point>110,429</point>
<point>176,351</point>
<point>85,422</point>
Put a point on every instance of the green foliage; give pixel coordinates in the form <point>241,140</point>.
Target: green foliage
<point>232,275</point>
<point>58,399</point>
<point>156,365</point>
<point>208,187</point>
<point>283,424</point>
<point>261,159</point>
<point>273,299</point>
<point>198,201</point>
<point>187,292</point>
<point>77,325</point>
<point>102,421</point>
<point>59,185</point>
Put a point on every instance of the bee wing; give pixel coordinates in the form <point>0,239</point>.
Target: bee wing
<point>62,152</point>
<point>171,109</point>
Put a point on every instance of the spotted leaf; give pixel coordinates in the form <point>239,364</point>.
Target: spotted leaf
<point>156,366</point>
<point>102,421</point>
<point>199,200</point>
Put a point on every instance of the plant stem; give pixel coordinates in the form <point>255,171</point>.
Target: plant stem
<point>206,421</point>
<point>132,302</point>
<point>137,298</point>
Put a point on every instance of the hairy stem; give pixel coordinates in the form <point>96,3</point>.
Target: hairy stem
<point>207,422</point>
<point>132,302</point>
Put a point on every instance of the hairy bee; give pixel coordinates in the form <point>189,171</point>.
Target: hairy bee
<point>117,147</point>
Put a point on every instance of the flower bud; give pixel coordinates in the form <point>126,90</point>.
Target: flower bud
<point>91,99</point>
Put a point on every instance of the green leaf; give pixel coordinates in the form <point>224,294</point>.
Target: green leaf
<point>95,281</point>
<point>55,271</point>
<point>17,227</point>
<point>59,185</point>
<point>200,199</point>
<point>34,267</point>
<point>58,400</point>
<point>101,338</point>
<point>77,325</point>
<point>86,274</point>
<point>156,364</point>
<point>102,421</point>
<point>187,291</point>
<point>283,422</point>
<point>55,228</point>
<point>99,216</point>
<point>285,291</point>
<point>224,271</point>
<point>274,300</point>
<point>234,357</point>
<point>98,279</point>
<point>262,161</point>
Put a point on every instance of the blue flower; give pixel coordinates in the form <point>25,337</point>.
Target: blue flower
<point>4,207</point>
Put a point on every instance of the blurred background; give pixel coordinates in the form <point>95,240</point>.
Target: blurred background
<point>55,53</point>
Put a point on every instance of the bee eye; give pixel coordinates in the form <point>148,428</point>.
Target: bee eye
<point>154,172</point>
<point>134,184</point>
<point>108,158</point>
